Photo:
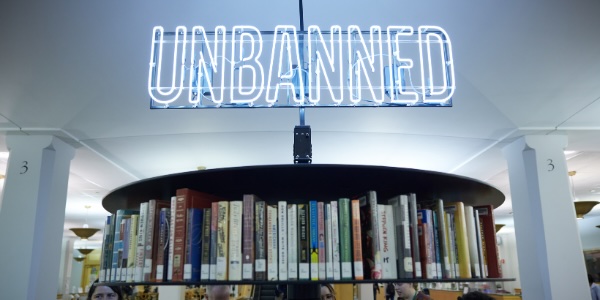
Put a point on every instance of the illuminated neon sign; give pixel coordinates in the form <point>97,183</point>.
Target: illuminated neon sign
<point>246,67</point>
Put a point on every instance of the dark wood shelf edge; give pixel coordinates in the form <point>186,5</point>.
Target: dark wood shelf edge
<point>262,282</point>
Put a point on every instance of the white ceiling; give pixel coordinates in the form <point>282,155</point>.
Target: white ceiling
<point>78,70</point>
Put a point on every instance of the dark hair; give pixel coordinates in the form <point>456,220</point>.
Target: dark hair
<point>116,289</point>
<point>590,279</point>
<point>475,295</point>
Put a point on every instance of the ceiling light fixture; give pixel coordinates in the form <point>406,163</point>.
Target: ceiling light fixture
<point>79,258</point>
<point>85,232</point>
<point>581,207</point>
<point>499,226</point>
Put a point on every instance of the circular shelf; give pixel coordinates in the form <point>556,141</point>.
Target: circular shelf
<point>303,182</point>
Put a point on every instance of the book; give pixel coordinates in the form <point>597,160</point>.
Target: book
<point>314,239</point>
<point>486,217</point>
<point>303,243</point>
<point>451,240</point>
<point>235,240</point>
<point>213,240</point>
<point>248,246</point>
<point>124,253</point>
<point>457,212</point>
<point>425,241</point>
<point>133,233</point>
<point>443,239</point>
<point>414,234</point>
<point>436,246</point>
<point>356,240</point>
<point>387,241</point>
<point>472,241</point>
<point>402,235</point>
<point>260,233</point>
<point>106,251</point>
<point>154,207</point>
<point>272,250</point>
<point>282,240</point>
<point>321,237</point>
<point>328,243</point>
<point>346,255</point>
<point>222,240</point>
<point>292,232</point>
<point>185,199</point>
<point>335,240</point>
<point>370,242</point>
<point>478,234</point>
<point>169,257</point>
<point>205,251</point>
<point>162,253</point>
<point>193,244</point>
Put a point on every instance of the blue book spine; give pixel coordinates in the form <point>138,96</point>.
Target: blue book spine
<point>314,240</point>
<point>193,245</point>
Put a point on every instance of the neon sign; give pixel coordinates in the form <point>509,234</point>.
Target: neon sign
<point>246,67</point>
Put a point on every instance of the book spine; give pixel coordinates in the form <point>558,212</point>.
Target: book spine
<point>303,237</point>
<point>356,240</point>
<point>292,220</point>
<point>205,252</point>
<point>235,240</point>
<point>452,245</point>
<point>376,271</point>
<point>272,262</point>
<point>213,240</point>
<point>436,246</point>
<point>260,263</point>
<point>193,244</point>
<point>106,250</point>
<point>414,232</point>
<point>248,236</point>
<point>282,239</point>
<point>149,239</point>
<point>314,240</point>
<point>321,229</point>
<point>407,263</point>
<point>180,235</point>
<point>222,240</point>
<point>387,241</point>
<point>118,252</point>
<point>482,264</point>
<point>125,226</point>
<point>442,234</point>
<point>141,243</point>
<point>422,244</point>
<point>162,251</point>
<point>345,238</point>
<point>328,243</point>
<point>133,233</point>
<point>171,237</point>
<point>335,240</point>
<point>472,241</point>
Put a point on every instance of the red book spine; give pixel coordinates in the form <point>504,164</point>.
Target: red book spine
<point>248,237</point>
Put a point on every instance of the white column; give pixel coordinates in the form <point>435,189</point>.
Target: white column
<point>32,216</point>
<point>551,261</point>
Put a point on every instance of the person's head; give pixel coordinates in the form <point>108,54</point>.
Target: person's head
<point>327,292</point>
<point>590,279</point>
<point>475,295</point>
<point>217,292</point>
<point>281,291</point>
<point>104,292</point>
<point>404,290</point>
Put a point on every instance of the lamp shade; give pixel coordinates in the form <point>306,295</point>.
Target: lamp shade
<point>85,251</point>
<point>499,226</point>
<point>84,233</point>
<point>79,258</point>
<point>583,207</point>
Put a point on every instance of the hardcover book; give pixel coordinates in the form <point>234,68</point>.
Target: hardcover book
<point>272,262</point>
<point>205,251</point>
<point>162,253</point>
<point>222,240</point>
<point>345,238</point>
<point>335,240</point>
<point>472,241</point>
<point>282,239</point>
<point>321,230</point>
<point>314,240</point>
<point>248,246</point>
<point>154,207</point>
<point>235,240</point>
<point>133,232</point>
<point>414,234</point>
<point>387,240</point>
<point>292,220</point>
<point>303,240</point>
<point>457,210</point>
<point>486,217</point>
<point>213,240</point>
<point>356,240</point>
<point>260,233</point>
<point>193,244</point>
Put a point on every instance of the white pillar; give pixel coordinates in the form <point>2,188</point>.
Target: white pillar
<point>32,216</point>
<point>551,261</point>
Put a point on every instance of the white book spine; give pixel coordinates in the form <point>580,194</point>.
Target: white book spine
<point>472,241</point>
<point>292,220</point>
<point>328,243</point>
<point>376,247</point>
<point>171,238</point>
<point>335,240</point>
<point>387,241</point>
<point>272,265</point>
<point>235,240</point>
<point>283,251</point>
<point>141,243</point>
<point>405,220</point>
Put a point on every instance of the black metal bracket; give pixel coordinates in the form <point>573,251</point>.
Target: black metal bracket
<point>302,145</point>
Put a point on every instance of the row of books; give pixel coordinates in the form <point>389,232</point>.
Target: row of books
<point>200,237</point>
